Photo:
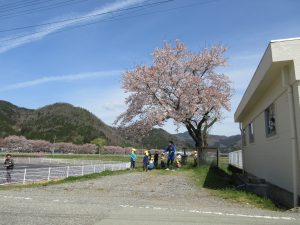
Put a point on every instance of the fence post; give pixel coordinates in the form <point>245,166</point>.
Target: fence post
<point>103,167</point>
<point>82,170</point>
<point>68,168</point>
<point>49,172</point>
<point>217,157</point>
<point>24,178</point>
<point>94,168</point>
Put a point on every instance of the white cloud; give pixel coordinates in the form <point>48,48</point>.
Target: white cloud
<point>70,77</point>
<point>106,103</point>
<point>8,43</point>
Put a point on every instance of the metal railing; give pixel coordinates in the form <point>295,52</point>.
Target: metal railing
<point>54,173</point>
<point>57,161</point>
<point>236,159</point>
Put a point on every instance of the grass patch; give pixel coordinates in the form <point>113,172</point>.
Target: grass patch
<point>71,179</point>
<point>119,158</point>
<point>220,184</point>
<point>102,157</point>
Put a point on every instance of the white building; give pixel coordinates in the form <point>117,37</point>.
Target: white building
<point>269,117</point>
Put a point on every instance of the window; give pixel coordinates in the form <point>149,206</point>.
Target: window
<point>251,132</point>
<point>244,137</point>
<point>270,121</point>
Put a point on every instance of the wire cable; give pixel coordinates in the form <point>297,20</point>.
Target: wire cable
<point>38,9</point>
<point>22,4</point>
<point>82,18</point>
<point>114,18</point>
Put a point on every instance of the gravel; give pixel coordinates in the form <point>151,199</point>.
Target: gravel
<point>88,202</point>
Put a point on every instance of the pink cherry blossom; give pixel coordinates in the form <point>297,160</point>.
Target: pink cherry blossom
<point>179,85</point>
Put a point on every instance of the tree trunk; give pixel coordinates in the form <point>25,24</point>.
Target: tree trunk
<point>199,149</point>
<point>196,134</point>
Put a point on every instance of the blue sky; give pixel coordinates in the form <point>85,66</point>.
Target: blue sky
<point>61,62</point>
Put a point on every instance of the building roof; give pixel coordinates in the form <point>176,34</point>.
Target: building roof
<point>277,52</point>
<point>286,39</point>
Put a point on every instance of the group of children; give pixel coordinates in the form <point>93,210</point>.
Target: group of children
<point>152,161</point>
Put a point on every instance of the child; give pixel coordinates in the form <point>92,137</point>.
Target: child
<point>178,161</point>
<point>132,159</point>
<point>162,161</point>
<point>195,156</point>
<point>145,161</point>
<point>151,164</point>
<point>156,159</point>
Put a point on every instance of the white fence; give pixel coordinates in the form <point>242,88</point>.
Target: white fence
<point>54,161</point>
<point>236,159</point>
<point>53,173</point>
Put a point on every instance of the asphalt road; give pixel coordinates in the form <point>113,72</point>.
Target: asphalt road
<point>134,198</point>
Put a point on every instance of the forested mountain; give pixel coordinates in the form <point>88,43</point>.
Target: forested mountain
<point>215,140</point>
<point>59,121</point>
<point>66,123</point>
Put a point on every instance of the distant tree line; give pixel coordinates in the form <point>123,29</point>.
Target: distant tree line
<point>21,144</point>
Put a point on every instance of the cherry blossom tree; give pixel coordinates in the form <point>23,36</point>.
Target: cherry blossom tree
<point>179,85</point>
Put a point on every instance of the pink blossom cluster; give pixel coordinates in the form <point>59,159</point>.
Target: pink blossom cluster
<point>21,144</point>
<point>179,85</point>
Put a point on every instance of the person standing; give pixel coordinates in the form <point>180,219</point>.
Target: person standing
<point>156,159</point>
<point>145,161</point>
<point>171,149</point>
<point>133,159</point>
<point>9,165</point>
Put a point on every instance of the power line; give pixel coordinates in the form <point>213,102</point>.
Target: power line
<point>115,18</point>
<point>17,5</point>
<point>38,9</point>
<point>82,18</point>
<point>13,4</point>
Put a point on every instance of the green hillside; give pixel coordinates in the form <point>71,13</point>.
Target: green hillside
<point>67,123</point>
<point>159,138</point>
<point>62,121</point>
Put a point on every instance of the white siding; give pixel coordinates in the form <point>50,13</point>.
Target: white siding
<point>270,157</point>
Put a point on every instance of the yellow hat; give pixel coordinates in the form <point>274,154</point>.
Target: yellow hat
<point>133,149</point>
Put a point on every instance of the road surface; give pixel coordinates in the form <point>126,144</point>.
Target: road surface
<point>133,198</point>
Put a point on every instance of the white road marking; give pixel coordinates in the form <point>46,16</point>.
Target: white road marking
<point>15,197</point>
<point>214,213</point>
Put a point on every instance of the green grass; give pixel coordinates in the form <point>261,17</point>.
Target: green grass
<point>103,157</point>
<point>219,183</point>
<point>71,179</point>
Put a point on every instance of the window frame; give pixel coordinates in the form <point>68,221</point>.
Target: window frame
<point>244,141</point>
<point>270,121</point>
<point>251,132</point>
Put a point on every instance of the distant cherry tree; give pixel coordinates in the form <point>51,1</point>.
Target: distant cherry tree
<point>179,85</point>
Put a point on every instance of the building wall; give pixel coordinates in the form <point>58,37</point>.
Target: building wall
<point>270,157</point>
<point>296,88</point>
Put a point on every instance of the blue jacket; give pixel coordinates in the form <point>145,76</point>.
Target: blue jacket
<point>145,160</point>
<point>171,149</point>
